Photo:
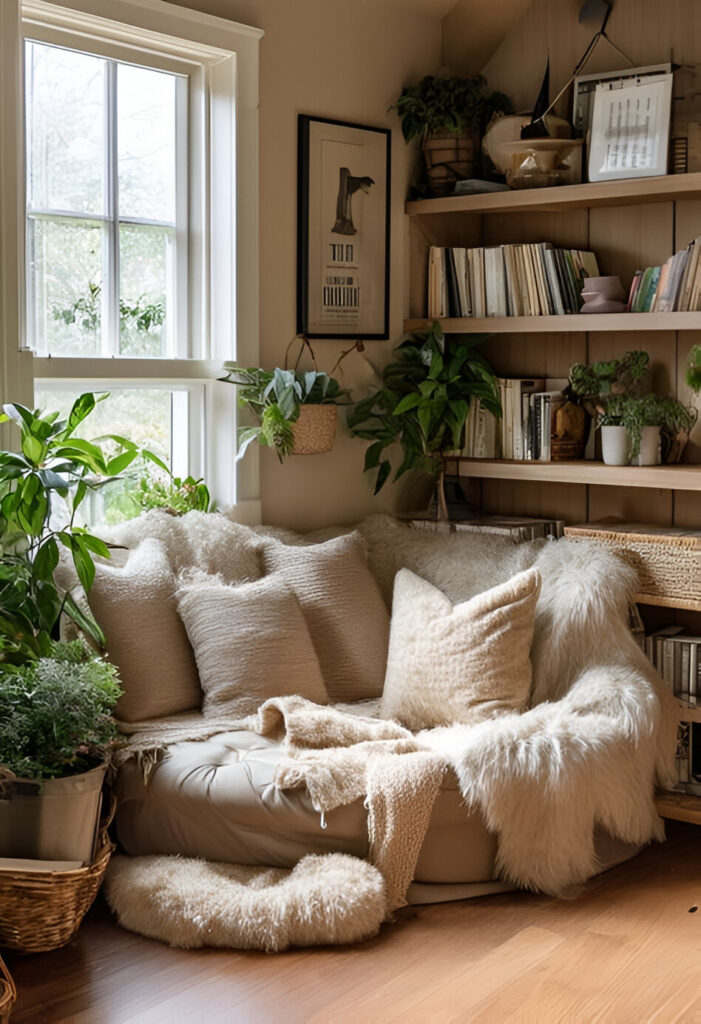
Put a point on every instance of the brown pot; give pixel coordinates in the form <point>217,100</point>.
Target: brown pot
<point>315,430</point>
<point>449,158</point>
<point>571,423</point>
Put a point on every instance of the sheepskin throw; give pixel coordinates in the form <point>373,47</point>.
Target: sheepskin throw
<point>344,611</point>
<point>323,900</point>
<point>250,642</point>
<point>451,664</point>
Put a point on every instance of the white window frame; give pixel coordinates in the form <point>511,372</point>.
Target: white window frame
<point>225,307</point>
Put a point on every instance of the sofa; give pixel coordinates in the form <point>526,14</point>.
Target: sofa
<point>198,779</point>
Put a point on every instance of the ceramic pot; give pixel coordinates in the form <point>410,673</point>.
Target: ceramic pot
<point>603,295</point>
<point>614,446</point>
<point>649,447</point>
<point>449,158</point>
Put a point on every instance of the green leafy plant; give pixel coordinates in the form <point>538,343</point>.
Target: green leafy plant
<point>275,398</point>
<point>693,369</point>
<point>55,713</point>
<point>637,411</point>
<point>86,311</point>
<point>448,104</point>
<point>609,377</point>
<point>423,403</point>
<point>42,487</point>
<point>174,494</point>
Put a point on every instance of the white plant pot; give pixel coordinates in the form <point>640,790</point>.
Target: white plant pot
<point>615,446</point>
<point>649,454</point>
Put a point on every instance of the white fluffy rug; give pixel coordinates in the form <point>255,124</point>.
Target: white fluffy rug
<point>332,899</point>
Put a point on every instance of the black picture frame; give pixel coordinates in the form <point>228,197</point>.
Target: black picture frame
<point>343,253</point>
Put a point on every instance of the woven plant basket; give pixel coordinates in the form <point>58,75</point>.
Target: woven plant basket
<point>668,560</point>
<point>8,993</point>
<point>315,430</point>
<point>41,911</point>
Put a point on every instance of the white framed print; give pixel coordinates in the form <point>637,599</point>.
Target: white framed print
<point>343,224</point>
<point>630,129</point>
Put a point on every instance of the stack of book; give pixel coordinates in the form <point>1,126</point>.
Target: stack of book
<point>517,528</point>
<point>529,279</point>
<point>677,657</point>
<point>525,428</point>
<point>675,286</point>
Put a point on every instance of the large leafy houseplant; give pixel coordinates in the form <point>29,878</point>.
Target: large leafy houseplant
<point>42,486</point>
<point>275,398</point>
<point>423,403</point>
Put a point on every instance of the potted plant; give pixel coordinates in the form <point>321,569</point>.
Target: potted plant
<point>448,115</point>
<point>423,403</point>
<point>54,698</point>
<point>585,393</point>
<point>631,426</point>
<point>295,410</point>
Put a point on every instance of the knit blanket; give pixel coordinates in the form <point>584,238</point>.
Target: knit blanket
<point>600,732</point>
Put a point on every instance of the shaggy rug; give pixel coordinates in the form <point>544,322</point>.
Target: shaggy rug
<point>324,900</point>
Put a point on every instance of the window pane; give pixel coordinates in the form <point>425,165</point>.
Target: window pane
<point>145,305</point>
<point>65,285</point>
<point>143,415</point>
<point>65,129</point>
<point>146,132</point>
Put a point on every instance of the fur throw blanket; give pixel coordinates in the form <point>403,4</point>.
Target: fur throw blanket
<point>600,731</point>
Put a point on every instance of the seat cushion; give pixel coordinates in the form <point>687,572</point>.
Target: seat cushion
<point>217,799</point>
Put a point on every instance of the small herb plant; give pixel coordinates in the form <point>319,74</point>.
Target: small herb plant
<point>55,713</point>
<point>448,104</point>
<point>42,487</point>
<point>637,411</point>
<point>275,398</point>
<point>423,403</point>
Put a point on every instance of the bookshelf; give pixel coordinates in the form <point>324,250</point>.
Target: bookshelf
<point>629,224</point>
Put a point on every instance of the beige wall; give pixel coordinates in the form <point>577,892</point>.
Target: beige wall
<point>347,61</point>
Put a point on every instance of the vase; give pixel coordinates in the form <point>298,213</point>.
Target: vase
<point>614,446</point>
<point>649,454</point>
<point>603,295</point>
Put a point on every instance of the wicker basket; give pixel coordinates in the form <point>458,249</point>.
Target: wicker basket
<point>40,911</point>
<point>8,993</point>
<point>668,560</point>
<point>315,430</point>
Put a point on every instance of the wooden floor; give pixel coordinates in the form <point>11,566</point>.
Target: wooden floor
<point>627,951</point>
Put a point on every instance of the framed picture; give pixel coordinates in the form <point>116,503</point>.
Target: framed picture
<point>630,128</point>
<point>342,230</point>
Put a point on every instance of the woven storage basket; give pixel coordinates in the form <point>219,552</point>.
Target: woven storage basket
<point>315,430</point>
<point>668,560</point>
<point>40,911</point>
<point>8,993</point>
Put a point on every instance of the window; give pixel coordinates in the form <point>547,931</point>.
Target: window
<point>141,184</point>
<point>106,205</point>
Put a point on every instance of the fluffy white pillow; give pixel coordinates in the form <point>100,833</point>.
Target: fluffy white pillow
<point>459,663</point>
<point>250,642</point>
<point>343,609</point>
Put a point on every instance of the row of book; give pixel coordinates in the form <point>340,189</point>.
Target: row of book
<point>524,279</point>
<point>516,528</point>
<point>525,429</point>
<point>677,657</point>
<point>675,286</point>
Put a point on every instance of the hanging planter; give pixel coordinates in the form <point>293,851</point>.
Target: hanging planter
<point>314,431</point>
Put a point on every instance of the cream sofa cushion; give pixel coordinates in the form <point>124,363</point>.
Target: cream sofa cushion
<point>250,642</point>
<point>135,607</point>
<point>459,663</point>
<point>343,608</point>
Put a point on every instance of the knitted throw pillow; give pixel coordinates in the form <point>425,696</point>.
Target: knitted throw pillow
<point>250,642</point>
<point>459,663</point>
<point>343,608</point>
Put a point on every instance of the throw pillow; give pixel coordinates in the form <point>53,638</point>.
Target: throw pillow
<point>135,606</point>
<point>344,611</point>
<point>250,642</point>
<point>459,663</point>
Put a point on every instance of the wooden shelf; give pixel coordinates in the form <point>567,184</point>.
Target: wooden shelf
<point>679,806</point>
<point>572,323</point>
<point>687,713</point>
<point>689,605</point>
<point>581,471</point>
<point>629,192</point>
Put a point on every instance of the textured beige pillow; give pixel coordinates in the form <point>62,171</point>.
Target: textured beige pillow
<point>250,642</point>
<point>344,611</point>
<point>135,606</point>
<point>451,664</point>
